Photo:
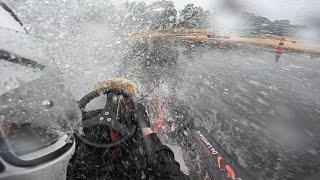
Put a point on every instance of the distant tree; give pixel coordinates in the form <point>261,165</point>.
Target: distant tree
<point>137,15</point>
<point>163,14</point>
<point>262,25</point>
<point>193,16</point>
<point>255,20</point>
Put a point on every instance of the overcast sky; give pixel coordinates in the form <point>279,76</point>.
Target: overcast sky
<point>294,10</point>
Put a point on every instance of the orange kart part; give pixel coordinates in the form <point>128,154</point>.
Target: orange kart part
<point>230,172</point>
<point>160,120</point>
<point>280,50</point>
<point>114,135</point>
<point>219,159</point>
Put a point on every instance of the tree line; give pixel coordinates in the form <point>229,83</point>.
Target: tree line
<point>163,15</point>
<point>262,25</point>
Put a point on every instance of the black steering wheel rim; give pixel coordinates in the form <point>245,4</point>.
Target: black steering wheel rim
<point>104,116</point>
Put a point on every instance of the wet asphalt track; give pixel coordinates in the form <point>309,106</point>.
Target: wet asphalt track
<point>263,114</point>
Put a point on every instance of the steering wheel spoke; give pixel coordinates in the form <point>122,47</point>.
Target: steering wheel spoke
<point>118,127</point>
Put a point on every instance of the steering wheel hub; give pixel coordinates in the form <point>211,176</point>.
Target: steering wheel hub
<point>106,117</point>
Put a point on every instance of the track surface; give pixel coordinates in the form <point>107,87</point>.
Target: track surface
<point>266,115</point>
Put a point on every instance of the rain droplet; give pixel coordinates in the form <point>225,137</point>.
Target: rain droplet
<point>106,113</point>
<point>12,56</point>
<point>47,103</point>
<point>108,119</point>
<point>115,99</point>
<point>101,118</point>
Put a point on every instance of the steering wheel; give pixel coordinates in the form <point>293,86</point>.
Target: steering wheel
<point>107,117</point>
